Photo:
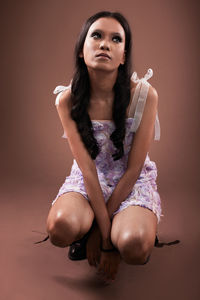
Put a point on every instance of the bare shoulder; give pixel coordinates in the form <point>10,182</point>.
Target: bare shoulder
<point>64,111</point>
<point>65,100</point>
<point>152,97</point>
<point>153,92</point>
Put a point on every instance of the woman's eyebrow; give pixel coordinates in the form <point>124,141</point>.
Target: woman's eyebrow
<point>113,33</point>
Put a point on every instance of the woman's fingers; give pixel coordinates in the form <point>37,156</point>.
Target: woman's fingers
<point>108,267</point>
<point>110,274</point>
<point>90,257</point>
<point>93,258</point>
<point>89,261</point>
<point>104,272</point>
<point>93,248</point>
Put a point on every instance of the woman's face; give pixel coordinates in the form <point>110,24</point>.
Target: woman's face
<point>104,45</point>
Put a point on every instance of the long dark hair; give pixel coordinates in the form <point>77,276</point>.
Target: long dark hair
<point>80,91</point>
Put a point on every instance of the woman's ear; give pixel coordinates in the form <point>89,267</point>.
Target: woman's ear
<point>124,58</point>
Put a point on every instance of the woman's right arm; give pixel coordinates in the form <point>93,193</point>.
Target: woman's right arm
<point>87,167</point>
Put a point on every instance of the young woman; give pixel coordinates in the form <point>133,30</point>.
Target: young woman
<point>109,203</point>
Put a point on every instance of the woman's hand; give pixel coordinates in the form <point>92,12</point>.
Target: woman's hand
<point>93,247</point>
<point>109,264</point>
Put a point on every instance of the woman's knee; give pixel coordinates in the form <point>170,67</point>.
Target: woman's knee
<point>69,219</point>
<point>134,248</point>
<point>63,229</point>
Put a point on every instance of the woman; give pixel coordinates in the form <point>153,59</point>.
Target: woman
<point>110,200</point>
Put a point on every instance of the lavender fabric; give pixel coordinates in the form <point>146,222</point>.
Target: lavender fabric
<point>144,192</point>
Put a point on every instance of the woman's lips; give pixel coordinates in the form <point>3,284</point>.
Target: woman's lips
<point>103,55</point>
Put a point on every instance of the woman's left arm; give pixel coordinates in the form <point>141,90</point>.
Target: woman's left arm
<point>137,155</point>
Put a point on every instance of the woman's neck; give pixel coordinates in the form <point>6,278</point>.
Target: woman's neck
<point>101,84</point>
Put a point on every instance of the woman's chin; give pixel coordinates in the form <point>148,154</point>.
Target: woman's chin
<point>102,68</point>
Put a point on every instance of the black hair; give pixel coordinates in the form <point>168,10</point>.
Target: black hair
<point>80,90</point>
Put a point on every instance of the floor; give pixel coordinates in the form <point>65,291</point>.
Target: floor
<point>43,271</point>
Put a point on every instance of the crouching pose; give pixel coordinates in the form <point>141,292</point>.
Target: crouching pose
<point>108,208</point>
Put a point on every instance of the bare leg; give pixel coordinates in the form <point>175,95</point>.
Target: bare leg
<point>133,233</point>
<point>69,219</point>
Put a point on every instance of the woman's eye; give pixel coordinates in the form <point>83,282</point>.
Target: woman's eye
<point>117,39</point>
<point>96,35</point>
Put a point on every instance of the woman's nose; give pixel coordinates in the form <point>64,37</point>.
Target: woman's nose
<point>104,45</point>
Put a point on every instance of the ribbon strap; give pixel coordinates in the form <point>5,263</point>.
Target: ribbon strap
<point>142,89</point>
<point>58,90</point>
<point>146,77</point>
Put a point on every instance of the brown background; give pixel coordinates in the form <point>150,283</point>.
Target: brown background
<point>37,43</point>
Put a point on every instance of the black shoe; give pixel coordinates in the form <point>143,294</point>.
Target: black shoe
<point>77,250</point>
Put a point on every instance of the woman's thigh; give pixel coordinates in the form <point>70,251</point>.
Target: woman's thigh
<point>134,223</point>
<point>72,209</point>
